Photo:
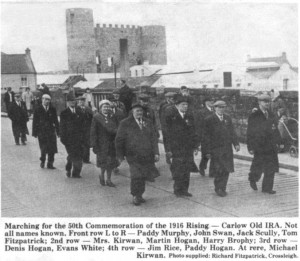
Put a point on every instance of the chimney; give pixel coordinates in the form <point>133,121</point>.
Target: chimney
<point>283,56</point>
<point>27,52</point>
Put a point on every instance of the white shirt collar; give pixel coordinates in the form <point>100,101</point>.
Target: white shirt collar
<point>221,117</point>
<point>181,113</point>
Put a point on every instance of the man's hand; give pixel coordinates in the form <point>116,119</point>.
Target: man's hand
<point>237,148</point>
<point>156,158</point>
<point>251,152</point>
<point>208,156</point>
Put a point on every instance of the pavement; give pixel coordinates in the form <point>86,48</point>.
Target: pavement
<point>29,191</point>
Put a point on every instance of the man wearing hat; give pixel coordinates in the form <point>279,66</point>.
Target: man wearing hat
<point>181,143</point>
<point>262,140</point>
<point>19,117</point>
<point>87,121</point>
<point>164,108</point>
<point>218,138</point>
<point>206,111</point>
<point>9,98</point>
<point>45,127</point>
<point>116,100</point>
<point>126,95</point>
<point>137,141</point>
<point>72,136</point>
<point>148,112</point>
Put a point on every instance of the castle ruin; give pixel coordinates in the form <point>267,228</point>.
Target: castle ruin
<point>91,49</point>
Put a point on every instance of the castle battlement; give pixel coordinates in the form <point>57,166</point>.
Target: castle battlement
<point>117,26</point>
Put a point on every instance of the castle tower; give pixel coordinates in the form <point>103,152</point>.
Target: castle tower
<point>154,48</point>
<point>81,40</point>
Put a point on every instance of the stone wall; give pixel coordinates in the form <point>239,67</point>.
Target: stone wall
<point>14,81</point>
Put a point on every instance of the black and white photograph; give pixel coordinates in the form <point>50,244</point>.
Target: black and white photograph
<point>151,110</point>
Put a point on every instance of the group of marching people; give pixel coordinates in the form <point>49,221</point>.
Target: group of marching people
<point>117,130</point>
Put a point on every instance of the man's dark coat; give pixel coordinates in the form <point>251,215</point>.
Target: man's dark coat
<point>218,138</point>
<point>19,118</point>
<point>262,138</point>
<point>45,126</point>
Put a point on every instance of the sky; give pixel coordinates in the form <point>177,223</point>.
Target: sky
<point>196,32</point>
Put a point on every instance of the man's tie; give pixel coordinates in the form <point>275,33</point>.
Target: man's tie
<point>266,114</point>
<point>46,108</point>
<point>140,124</point>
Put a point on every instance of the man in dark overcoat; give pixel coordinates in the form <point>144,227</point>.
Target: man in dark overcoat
<point>164,109</point>
<point>137,141</point>
<point>148,112</point>
<point>45,127</point>
<point>72,136</point>
<point>181,144</point>
<point>206,111</point>
<point>19,117</point>
<point>126,95</point>
<point>218,138</point>
<point>263,137</point>
<point>87,122</point>
<point>9,98</point>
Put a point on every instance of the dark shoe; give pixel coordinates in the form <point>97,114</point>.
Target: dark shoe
<point>253,185</point>
<point>202,172</point>
<point>76,177</point>
<point>68,174</point>
<point>220,192</point>
<point>141,199</point>
<point>136,201</point>
<point>269,192</point>
<point>110,184</point>
<point>42,165</point>
<point>50,166</point>
<point>18,143</point>
<point>187,194</point>
<point>102,181</point>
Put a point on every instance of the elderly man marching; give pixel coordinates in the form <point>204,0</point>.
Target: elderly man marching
<point>103,133</point>
<point>181,143</point>
<point>137,141</point>
<point>72,136</point>
<point>263,137</point>
<point>45,127</point>
<point>218,138</point>
<point>87,121</point>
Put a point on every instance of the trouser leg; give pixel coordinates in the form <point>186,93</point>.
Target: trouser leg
<point>86,153</point>
<point>268,181</point>
<point>77,166</point>
<point>69,164</point>
<point>185,182</point>
<point>17,139</point>
<point>211,168</point>
<point>23,137</point>
<point>137,186</point>
<point>203,163</point>
<point>43,157</point>
<point>50,158</point>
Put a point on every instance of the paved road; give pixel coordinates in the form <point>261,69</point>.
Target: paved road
<point>29,191</point>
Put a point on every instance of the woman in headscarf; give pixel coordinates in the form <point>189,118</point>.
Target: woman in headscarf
<point>103,133</point>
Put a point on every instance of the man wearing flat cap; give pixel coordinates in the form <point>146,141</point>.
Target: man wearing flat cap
<point>263,138</point>
<point>206,111</point>
<point>45,127</point>
<point>18,114</point>
<point>87,122</point>
<point>72,136</point>
<point>126,95</point>
<point>218,138</point>
<point>137,141</point>
<point>181,143</point>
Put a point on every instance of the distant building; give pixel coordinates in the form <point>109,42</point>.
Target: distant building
<point>95,49</point>
<point>17,70</point>
<point>145,69</point>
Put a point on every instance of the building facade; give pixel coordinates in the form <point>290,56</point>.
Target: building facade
<point>96,49</point>
<point>18,71</point>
